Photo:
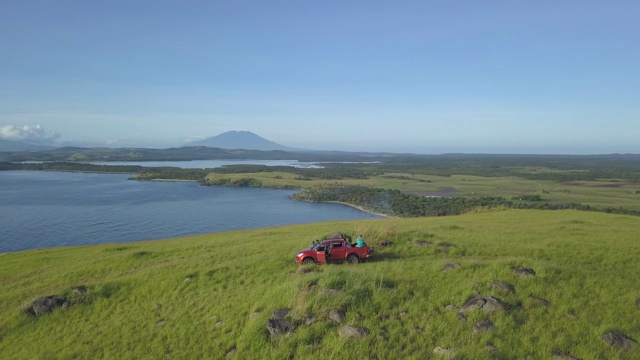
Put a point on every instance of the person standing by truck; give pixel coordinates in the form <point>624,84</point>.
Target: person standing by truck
<point>360,241</point>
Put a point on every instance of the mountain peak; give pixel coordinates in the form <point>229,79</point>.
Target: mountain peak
<point>240,140</point>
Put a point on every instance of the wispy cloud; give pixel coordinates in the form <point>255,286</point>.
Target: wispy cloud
<point>28,133</point>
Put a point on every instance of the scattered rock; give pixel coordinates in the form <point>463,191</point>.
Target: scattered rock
<point>540,300</point>
<point>499,285</point>
<point>189,279</point>
<point>556,355</point>
<point>46,304</point>
<point>79,290</point>
<point>461,317</point>
<point>232,351</point>
<point>419,331</point>
<point>447,353</point>
<point>402,314</point>
<point>384,243</point>
<point>160,323</point>
<point>450,308</point>
<point>423,243</point>
<point>384,334</point>
<point>353,331</point>
<point>279,327</point>
<point>219,323</point>
<point>309,319</point>
<point>337,315</point>
<point>332,292</point>
<point>254,315</point>
<point>484,326</point>
<point>445,246</point>
<point>280,313</point>
<point>520,270</point>
<point>450,266</point>
<point>484,303</point>
<point>491,348</point>
<point>618,340</point>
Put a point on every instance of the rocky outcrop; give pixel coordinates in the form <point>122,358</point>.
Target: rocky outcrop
<point>484,303</point>
<point>337,315</point>
<point>353,331</point>
<point>279,327</point>
<point>46,304</point>
<point>618,340</point>
<point>523,271</point>
<point>484,326</point>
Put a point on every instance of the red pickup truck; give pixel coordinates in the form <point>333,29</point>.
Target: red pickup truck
<point>333,250</point>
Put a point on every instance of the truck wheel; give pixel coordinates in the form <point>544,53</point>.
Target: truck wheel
<point>308,261</point>
<point>353,259</point>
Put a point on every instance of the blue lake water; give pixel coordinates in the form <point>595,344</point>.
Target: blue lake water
<point>49,209</point>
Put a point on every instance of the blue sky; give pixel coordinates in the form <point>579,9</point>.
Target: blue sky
<point>402,76</point>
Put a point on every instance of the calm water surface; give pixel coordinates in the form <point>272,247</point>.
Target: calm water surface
<point>49,209</point>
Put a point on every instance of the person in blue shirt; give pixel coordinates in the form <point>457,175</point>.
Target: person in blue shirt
<point>360,241</point>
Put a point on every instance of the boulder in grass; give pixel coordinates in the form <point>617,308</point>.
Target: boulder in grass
<point>279,327</point>
<point>523,271</point>
<point>484,326</point>
<point>484,303</point>
<point>353,331</point>
<point>337,315</point>
<point>618,340</point>
<point>444,353</point>
<point>46,304</point>
<point>280,313</point>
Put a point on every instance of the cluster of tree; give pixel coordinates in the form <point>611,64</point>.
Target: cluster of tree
<point>329,172</point>
<point>394,202</point>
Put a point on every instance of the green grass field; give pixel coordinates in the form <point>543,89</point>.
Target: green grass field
<point>598,194</point>
<point>210,296</point>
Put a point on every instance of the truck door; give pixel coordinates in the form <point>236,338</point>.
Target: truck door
<point>320,255</point>
<point>338,251</point>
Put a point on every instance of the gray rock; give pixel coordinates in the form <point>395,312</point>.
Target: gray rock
<point>79,290</point>
<point>309,319</point>
<point>523,271</point>
<point>461,317</point>
<point>618,340</point>
<point>484,303</point>
<point>160,323</point>
<point>280,326</point>
<point>189,279</point>
<point>280,313</point>
<point>46,304</point>
<point>232,351</point>
<point>445,353</point>
<point>219,323</point>
<point>254,315</point>
<point>450,307</point>
<point>450,266</point>
<point>484,326</point>
<point>445,246</point>
<point>337,315</point>
<point>504,287</point>
<point>353,331</point>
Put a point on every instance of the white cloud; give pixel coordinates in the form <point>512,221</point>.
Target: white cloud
<point>28,133</point>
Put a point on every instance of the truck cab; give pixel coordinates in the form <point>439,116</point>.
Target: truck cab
<point>333,251</point>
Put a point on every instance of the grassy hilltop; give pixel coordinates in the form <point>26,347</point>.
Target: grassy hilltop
<point>210,296</point>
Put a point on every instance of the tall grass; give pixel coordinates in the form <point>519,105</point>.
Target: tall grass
<point>210,296</point>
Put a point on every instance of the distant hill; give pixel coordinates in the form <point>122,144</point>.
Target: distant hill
<point>240,140</point>
<point>10,145</point>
